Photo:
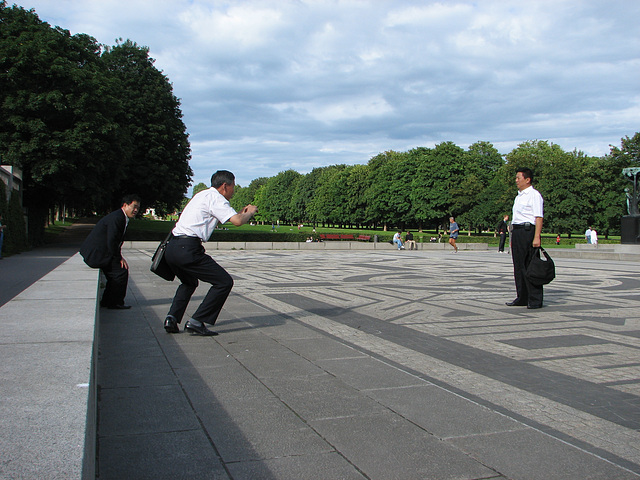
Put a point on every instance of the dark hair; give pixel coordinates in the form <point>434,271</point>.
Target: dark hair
<point>222,176</point>
<point>130,198</point>
<point>526,173</point>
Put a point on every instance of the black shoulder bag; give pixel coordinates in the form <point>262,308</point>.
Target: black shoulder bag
<point>540,270</point>
<point>159,265</point>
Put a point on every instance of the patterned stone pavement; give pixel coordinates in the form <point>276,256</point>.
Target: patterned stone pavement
<point>571,369</point>
<point>411,337</point>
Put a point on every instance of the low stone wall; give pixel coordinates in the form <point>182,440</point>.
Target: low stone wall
<point>48,406</point>
<point>327,245</point>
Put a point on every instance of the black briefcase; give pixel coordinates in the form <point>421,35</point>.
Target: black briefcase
<point>159,264</point>
<point>540,270</point>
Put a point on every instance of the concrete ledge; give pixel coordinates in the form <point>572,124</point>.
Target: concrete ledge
<point>48,403</point>
<point>328,245</point>
<point>605,251</point>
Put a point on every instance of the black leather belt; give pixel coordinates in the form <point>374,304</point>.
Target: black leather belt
<point>187,237</point>
<point>526,226</point>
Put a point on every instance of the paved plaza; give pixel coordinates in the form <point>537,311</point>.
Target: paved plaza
<point>375,365</point>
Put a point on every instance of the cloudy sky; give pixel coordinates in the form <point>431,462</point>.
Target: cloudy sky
<point>271,85</point>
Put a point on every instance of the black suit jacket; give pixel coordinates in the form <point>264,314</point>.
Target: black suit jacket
<point>103,244</point>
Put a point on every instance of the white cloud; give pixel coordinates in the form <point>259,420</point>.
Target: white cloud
<point>268,85</point>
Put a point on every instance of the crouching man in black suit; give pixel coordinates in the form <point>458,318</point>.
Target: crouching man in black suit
<point>101,249</point>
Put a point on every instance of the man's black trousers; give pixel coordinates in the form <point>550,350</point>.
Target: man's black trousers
<point>503,240</point>
<point>117,280</point>
<point>521,252</point>
<point>187,258</point>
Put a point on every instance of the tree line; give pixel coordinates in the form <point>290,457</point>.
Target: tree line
<point>423,187</point>
<point>85,122</point>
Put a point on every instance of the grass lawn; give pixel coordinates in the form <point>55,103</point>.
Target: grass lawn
<point>145,229</point>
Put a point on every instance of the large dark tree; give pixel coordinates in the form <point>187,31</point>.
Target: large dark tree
<point>57,119</point>
<point>156,162</point>
<point>85,126</point>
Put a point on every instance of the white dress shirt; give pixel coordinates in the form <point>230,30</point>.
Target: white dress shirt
<point>527,206</point>
<point>202,214</point>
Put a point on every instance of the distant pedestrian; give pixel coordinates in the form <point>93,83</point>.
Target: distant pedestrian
<point>501,229</point>
<point>587,235</point>
<point>453,234</point>
<point>101,249</point>
<point>594,236</point>
<point>558,240</point>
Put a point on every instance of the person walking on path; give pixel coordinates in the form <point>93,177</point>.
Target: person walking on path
<point>186,255</point>
<point>594,236</point>
<point>453,234</point>
<point>587,235</point>
<point>526,235</point>
<point>101,249</point>
<point>502,231</point>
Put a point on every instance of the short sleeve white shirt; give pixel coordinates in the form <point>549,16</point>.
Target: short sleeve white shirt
<point>202,214</point>
<point>527,206</point>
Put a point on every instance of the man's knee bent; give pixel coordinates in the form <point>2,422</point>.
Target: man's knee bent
<point>227,284</point>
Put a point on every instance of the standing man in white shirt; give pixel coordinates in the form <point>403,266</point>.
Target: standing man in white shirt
<point>187,258</point>
<point>525,236</point>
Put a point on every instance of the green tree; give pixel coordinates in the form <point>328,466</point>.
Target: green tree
<point>198,188</point>
<point>629,151</point>
<point>607,185</point>
<point>3,199</point>
<point>303,194</point>
<point>276,197</point>
<point>247,195</point>
<point>481,164</point>
<point>328,202</point>
<point>57,123</point>
<point>439,171</point>
<point>156,164</point>
<point>387,196</point>
<point>355,188</point>
<point>495,201</point>
<point>559,176</point>
<point>15,235</point>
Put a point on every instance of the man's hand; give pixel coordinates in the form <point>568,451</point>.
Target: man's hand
<point>252,209</point>
<point>537,241</point>
<point>537,237</point>
<point>244,216</point>
<point>124,264</point>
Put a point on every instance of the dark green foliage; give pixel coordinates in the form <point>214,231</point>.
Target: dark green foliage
<point>86,125</point>
<point>15,235</point>
<point>3,199</point>
<point>155,164</point>
<point>275,197</point>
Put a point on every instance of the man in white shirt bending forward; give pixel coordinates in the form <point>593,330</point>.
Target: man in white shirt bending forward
<point>187,258</point>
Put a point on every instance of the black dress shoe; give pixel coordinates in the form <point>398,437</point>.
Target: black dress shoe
<point>515,303</point>
<point>534,307</point>
<point>171,324</point>
<point>195,329</point>
<point>119,307</point>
